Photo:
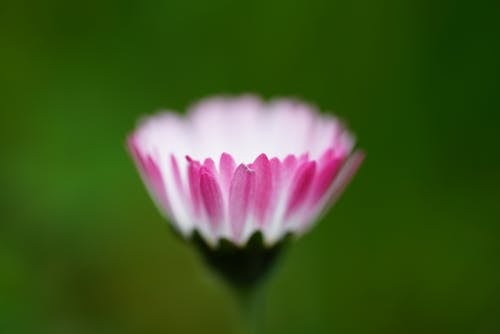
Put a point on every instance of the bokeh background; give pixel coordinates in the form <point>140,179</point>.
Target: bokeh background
<point>413,246</point>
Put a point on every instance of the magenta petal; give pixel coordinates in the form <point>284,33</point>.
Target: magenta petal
<point>290,161</point>
<point>194,185</point>
<point>211,197</point>
<point>177,175</point>
<point>226,167</point>
<point>276,171</point>
<point>328,168</point>
<point>210,165</point>
<point>300,187</point>
<point>151,175</point>
<point>263,187</point>
<point>156,182</point>
<point>240,196</point>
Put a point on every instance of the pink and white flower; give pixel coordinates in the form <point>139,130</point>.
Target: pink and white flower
<point>235,166</point>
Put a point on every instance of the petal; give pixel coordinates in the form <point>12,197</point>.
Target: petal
<point>340,181</point>
<point>263,188</point>
<point>211,198</point>
<point>194,185</point>
<point>276,171</point>
<point>289,165</point>
<point>241,194</point>
<point>156,182</point>
<point>177,176</point>
<point>300,187</point>
<point>328,168</point>
<point>151,175</point>
<point>226,167</point>
<point>210,166</point>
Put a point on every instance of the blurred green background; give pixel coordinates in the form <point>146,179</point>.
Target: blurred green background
<point>413,246</point>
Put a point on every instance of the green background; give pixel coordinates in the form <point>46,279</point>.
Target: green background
<point>413,246</point>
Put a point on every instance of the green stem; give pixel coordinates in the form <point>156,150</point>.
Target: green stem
<point>251,302</point>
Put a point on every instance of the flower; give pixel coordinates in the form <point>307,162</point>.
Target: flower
<point>233,167</point>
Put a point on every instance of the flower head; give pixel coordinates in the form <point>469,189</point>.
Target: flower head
<point>236,166</point>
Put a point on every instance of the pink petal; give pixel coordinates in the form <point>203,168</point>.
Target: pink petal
<point>289,165</point>
<point>278,182</point>
<point>300,187</point>
<point>212,198</point>
<point>263,187</point>
<point>151,174</point>
<point>177,175</point>
<point>226,167</point>
<point>156,181</point>
<point>276,171</point>
<point>240,195</point>
<point>210,165</point>
<point>341,180</point>
<point>329,166</point>
<point>194,185</point>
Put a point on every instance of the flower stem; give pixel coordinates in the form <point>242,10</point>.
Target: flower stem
<point>251,302</point>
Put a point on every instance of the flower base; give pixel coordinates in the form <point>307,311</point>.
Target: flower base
<point>242,267</point>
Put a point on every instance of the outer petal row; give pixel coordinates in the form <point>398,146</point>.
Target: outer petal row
<point>271,196</point>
